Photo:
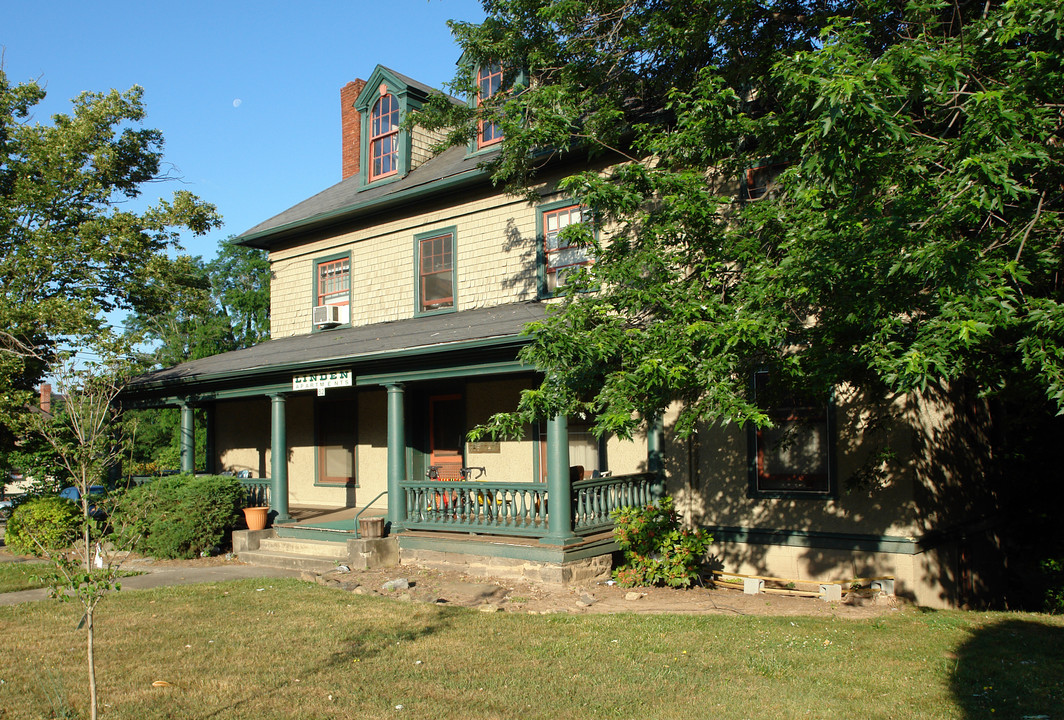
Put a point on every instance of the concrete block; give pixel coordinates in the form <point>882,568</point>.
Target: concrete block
<point>753,586</point>
<point>884,586</point>
<point>831,592</point>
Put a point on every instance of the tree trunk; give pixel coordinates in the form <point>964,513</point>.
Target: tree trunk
<point>92,661</point>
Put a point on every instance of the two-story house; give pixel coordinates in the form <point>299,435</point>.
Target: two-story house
<point>399,296</point>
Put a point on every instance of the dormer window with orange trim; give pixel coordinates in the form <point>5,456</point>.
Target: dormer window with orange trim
<point>384,137</point>
<point>489,82</point>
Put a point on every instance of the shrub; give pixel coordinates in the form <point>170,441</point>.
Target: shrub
<point>43,524</point>
<point>179,516</point>
<point>1053,577</point>
<point>657,549</point>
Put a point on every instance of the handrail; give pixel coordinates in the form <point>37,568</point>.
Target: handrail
<point>364,509</point>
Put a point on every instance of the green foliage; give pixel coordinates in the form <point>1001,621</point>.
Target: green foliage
<point>1053,574</point>
<point>180,516</point>
<point>42,525</point>
<point>657,549</point>
<point>912,229</point>
<point>72,248</point>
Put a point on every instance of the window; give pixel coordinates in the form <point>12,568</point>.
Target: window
<point>384,136</point>
<point>334,282</point>
<point>335,423</point>
<point>795,458</point>
<point>587,453</point>
<point>435,253</point>
<point>489,81</point>
<point>761,180</point>
<point>560,257</point>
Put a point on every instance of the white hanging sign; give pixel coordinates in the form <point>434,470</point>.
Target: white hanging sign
<point>322,380</point>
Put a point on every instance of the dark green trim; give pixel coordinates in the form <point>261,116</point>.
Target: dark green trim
<point>502,342</point>
<point>451,230</point>
<point>816,539</point>
<point>461,371</point>
<point>350,285</point>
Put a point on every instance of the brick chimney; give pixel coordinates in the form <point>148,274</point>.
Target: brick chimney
<point>46,397</point>
<point>350,127</point>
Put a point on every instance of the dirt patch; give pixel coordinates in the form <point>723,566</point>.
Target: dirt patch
<point>414,584</point>
<point>457,589</point>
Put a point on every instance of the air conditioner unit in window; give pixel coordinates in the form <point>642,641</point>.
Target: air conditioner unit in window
<point>326,315</point>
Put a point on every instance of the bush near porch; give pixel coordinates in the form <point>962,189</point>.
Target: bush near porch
<point>180,516</point>
<point>657,549</point>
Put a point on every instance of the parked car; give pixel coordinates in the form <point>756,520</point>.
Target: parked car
<point>73,494</point>
<point>5,509</point>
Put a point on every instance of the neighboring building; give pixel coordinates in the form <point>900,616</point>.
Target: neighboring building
<point>399,296</point>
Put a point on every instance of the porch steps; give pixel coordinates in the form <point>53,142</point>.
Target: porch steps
<point>297,554</point>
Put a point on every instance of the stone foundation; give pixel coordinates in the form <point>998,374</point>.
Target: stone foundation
<point>573,572</point>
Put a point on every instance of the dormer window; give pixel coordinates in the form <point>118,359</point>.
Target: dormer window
<point>387,152</point>
<point>489,82</point>
<point>384,136</point>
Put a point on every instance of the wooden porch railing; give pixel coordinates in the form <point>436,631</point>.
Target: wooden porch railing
<point>501,508</point>
<point>257,492</point>
<point>594,499</point>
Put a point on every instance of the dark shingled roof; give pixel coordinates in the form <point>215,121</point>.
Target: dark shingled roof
<point>352,344</point>
<point>350,197</point>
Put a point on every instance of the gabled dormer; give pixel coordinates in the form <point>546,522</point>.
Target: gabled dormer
<point>376,146</point>
<point>490,78</point>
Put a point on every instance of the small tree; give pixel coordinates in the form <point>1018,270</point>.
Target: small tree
<point>87,438</point>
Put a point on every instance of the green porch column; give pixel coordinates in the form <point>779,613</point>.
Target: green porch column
<point>559,491</point>
<point>396,456</point>
<point>278,459</point>
<point>655,456</point>
<point>188,438</point>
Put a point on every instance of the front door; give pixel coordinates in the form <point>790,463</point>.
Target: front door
<point>446,435</point>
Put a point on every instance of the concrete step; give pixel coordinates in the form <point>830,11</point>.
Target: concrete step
<point>309,548</point>
<point>288,561</point>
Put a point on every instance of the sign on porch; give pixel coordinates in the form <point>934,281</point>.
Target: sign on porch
<point>320,381</point>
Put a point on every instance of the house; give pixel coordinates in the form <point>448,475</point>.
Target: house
<point>399,296</point>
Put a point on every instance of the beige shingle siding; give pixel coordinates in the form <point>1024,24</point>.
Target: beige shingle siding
<point>421,142</point>
<point>496,257</point>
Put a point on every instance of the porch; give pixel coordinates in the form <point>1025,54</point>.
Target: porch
<point>484,528</point>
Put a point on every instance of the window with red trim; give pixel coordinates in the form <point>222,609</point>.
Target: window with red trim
<point>489,82</point>
<point>384,137</point>
<point>334,282</point>
<point>560,256</point>
<point>795,455</point>
<point>436,272</point>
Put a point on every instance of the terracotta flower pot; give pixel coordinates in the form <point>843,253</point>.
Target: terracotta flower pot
<point>256,517</point>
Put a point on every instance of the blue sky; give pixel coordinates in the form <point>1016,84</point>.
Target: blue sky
<point>246,94</point>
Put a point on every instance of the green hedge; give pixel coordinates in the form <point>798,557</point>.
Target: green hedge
<point>43,524</point>
<point>179,516</point>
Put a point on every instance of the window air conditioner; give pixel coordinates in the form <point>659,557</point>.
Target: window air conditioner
<point>326,315</point>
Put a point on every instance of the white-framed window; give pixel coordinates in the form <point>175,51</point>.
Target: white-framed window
<point>559,256</point>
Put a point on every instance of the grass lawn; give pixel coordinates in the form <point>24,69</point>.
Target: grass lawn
<point>19,575</point>
<point>285,649</point>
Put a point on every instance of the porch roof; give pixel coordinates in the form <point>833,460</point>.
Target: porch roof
<point>437,334</point>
